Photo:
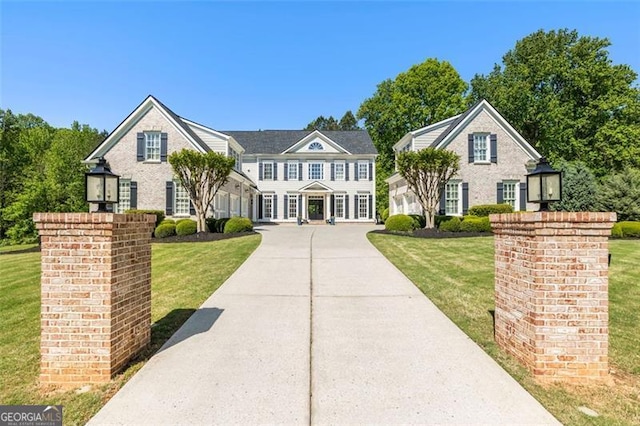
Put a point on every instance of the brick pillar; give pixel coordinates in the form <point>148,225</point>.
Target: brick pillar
<point>551,292</point>
<point>96,294</point>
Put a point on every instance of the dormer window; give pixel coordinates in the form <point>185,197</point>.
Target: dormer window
<point>316,146</point>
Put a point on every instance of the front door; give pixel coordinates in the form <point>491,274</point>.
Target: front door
<point>316,208</point>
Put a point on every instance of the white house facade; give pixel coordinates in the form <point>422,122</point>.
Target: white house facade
<point>279,176</point>
<point>494,161</point>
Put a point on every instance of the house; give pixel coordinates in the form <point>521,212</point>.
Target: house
<point>279,175</point>
<point>494,161</point>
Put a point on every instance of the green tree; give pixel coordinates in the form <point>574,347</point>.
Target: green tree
<point>563,94</point>
<point>322,123</point>
<point>427,172</point>
<point>201,175</point>
<point>620,193</point>
<point>579,188</point>
<point>348,122</point>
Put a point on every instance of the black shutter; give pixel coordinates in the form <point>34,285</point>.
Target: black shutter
<point>465,197</point>
<point>300,205</point>
<point>370,204</point>
<point>169,199</point>
<point>346,207</point>
<point>356,207</point>
<point>192,210</point>
<point>333,171</point>
<point>285,214</point>
<point>356,172</point>
<point>370,171</point>
<point>471,147</point>
<point>133,200</point>
<point>443,200</point>
<point>494,148</point>
<point>274,207</point>
<point>260,207</point>
<point>163,147</point>
<point>299,171</point>
<point>346,170</point>
<point>523,196</point>
<point>140,147</point>
<point>286,171</point>
<point>500,194</point>
<point>260,172</point>
<point>275,170</point>
<point>333,205</point>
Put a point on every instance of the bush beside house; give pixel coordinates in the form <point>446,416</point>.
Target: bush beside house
<point>238,224</point>
<point>186,227</point>
<point>400,223</point>
<point>165,230</point>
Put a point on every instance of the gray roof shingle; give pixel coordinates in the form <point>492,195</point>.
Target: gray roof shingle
<point>278,141</point>
<point>454,125</point>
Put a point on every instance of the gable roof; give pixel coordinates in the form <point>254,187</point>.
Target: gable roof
<point>136,114</point>
<point>279,141</point>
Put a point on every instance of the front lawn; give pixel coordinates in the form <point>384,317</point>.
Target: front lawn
<point>183,276</point>
<point>457,275</point>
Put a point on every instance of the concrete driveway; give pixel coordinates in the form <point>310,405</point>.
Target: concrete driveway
<point>317,327</point>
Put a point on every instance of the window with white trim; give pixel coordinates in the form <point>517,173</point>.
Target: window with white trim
<point>293,170</point>
<point>339,171</point>
<point>181,201</point>
<point>452,198</point>
<point>267,171</point>
<point>152,146</point>
<point>481,148</point>
<point>316,146</point>
<point>293,206</point>
<point>339,208</point>
<point>510,194</point>
<point>124,203</point>
<point>236,156</point>
<point>363,171</point>
<point>363,206</point>
<point>267,206</point>
<point>316,171</point>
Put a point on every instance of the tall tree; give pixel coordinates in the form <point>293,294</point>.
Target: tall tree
<point>348,122</point>
<point>620,193</point>
<point>562,92</point>
<point>201,175</point>
<point>427,172</point>
<point>579,187</point>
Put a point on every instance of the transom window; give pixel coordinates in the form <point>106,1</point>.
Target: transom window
<point>181,202</point>
<point>363,206</point>
<point>452,198</point>
<point>267,171</point>
<point>293,206</point>
<point>152,146</point>
<point>480,147</point>
<point>339,171</point>
<point>293,170</point>
<point>316,171</point>
<point>339,200</point>
<point>316,146</point>
<point>363,171</point>
<point>267,206</point>
<point>124,203</point>
<point>510,193</point>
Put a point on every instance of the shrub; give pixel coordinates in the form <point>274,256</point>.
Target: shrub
<point>220,223</point>
<point>238,224</point>
<point>487,209</point>
<point>165,230</point>
<point>178,221</point>
<point>385,214</point>
<point>616,231</point>
<point>620,193</point>
<point>438,219</point>
<point>164,222</point>
<point>420,220</point>
<point>400,223</point>
<point>475,224</point>
<point>211,224</point>
<point>186,227</point>
<point>451,225</point>
<point>158,213</point>
<point>579,188</point>
<point>630,229</point>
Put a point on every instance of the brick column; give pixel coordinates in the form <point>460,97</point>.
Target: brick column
<point>96,294</point>
<point>551,292</point>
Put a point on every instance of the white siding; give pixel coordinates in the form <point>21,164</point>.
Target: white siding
<point>216,143</point>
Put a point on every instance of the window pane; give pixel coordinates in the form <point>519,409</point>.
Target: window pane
<point>267,171</point>
<point>480,151</point>
<point>181,201</point>
<point>124,203</point>
<point>509,193</point>
<point>293,206</point>
<point>293,171</point>
<point>451,199</point>
<point>339,206</point>
<point>339,168</point>
<point>363,170</point>
<point>316,171</point>
<point>152,145</point>
<point>267,208</point>
<point>363,206</point>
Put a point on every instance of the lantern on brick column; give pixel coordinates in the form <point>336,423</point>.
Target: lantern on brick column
<point>544,185</point>
<point>101,185</point>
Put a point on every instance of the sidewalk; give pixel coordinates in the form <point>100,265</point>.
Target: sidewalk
<point>318,308</point>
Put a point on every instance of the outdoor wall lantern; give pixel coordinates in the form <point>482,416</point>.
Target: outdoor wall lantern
<point>544,185</point>
<point>101,185</point>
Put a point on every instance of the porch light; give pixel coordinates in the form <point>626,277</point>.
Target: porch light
<point>544,185</point>
<point>101,185</point>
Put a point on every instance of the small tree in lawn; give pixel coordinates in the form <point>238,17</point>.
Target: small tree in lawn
<point>427,172</point>
<point>201,175</point>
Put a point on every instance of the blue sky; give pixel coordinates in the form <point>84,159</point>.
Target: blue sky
<point>261,65</point>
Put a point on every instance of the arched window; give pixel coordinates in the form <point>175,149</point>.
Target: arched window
<point>316,146</point>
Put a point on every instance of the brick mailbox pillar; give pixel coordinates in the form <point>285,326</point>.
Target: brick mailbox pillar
<point>551,292</point>
<point>96,294</point>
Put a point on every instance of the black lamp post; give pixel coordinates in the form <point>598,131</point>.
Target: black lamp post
<point>544,185</point>
<point>101,185</point>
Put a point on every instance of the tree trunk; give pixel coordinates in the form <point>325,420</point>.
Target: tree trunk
<point>430,220</point>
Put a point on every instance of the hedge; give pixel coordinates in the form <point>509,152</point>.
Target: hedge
<point>220,223</point>
<point>475,224</point>
<point>630,229</point>
<point>211,224</point>
<point>438,219</point>
<point>158,213</point>
<point>616,231</point>
<point>165,230</point>
<point>420,220</point>
<point>164,222</point>
<point>238,224</point>
<point>400,223</point>
<point>451,225</point>
<point>483,210</point>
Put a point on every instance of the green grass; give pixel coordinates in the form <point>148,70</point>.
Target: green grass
<point>457,275</point>
<point>183,276</point>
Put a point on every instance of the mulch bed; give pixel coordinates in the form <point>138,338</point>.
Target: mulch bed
<point>200,237</point>
<point>435,233</point>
